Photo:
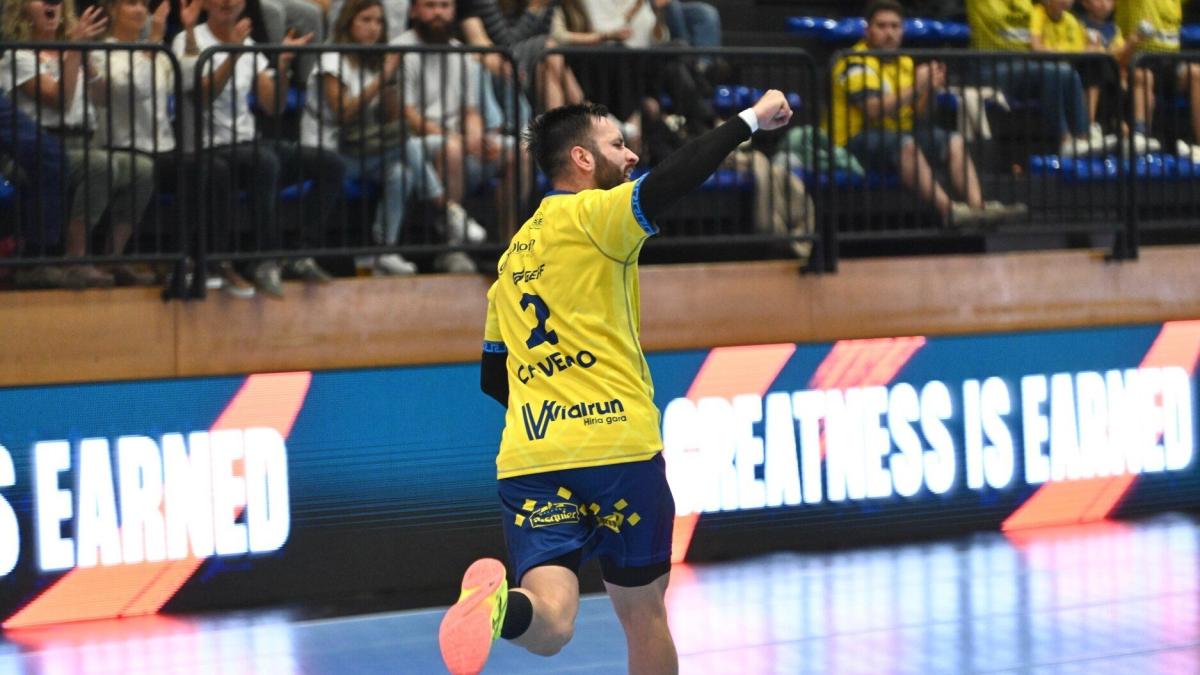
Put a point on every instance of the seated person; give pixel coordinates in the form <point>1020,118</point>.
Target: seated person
<point>350,94</point>
<point>1003,25</point>
<point>442,96</point>
<point>48,86</point>
<point>261,167</point>
<point>1103,35</point>
<point>876,106</point>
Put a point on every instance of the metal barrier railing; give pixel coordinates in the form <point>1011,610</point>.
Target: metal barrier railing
<point>948,142</point>
<point>312,178</point>
<point>662,97</point>
<point>1163,108</point>
<point>77,168</point>
<point>83,163</point>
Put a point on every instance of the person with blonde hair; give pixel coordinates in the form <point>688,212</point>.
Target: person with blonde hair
<point>48,86</point>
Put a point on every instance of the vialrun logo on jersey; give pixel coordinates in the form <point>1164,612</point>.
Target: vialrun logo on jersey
<point>605,412</point>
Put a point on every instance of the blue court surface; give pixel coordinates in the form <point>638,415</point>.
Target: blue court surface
<point>1115,597</point>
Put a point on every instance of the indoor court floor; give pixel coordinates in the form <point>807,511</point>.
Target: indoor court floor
<point>1113,597</point>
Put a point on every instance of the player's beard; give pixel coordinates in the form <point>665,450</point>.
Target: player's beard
<point>608,174</point>
<point>432,33</point>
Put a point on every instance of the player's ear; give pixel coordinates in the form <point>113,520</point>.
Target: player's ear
<point>582,158</point>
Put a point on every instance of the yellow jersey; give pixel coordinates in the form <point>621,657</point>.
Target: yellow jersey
<point>1155,22</point>
<point>856,78</point>
<point>1064,35</point>
<point>999,25</point>
<point>566,309</point>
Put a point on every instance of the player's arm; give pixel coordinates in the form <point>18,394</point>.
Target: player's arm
<point>688,167</point>
<point>493,365</point>
<point>493,374</point>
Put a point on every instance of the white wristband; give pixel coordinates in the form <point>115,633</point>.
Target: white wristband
<point>751,119</point>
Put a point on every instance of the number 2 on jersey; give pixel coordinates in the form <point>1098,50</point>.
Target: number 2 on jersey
<point>541,312</point>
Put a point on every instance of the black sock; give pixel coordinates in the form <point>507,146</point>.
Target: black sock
<point>517,617</point>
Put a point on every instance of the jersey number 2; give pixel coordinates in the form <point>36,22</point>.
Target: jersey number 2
<point>541,312</point>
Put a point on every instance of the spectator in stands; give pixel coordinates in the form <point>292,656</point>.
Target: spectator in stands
<point>1152,26</point>
<point>442,95</point>
<point>301,17</point>
<point>523,28</point>
<point>877,104</point>
<point>1004,25</point>
<point>697,24</point>
<point>632,90</point>
<point>395,13</point>
<point>48,85</point>
<point>1053,29</point>
<point>1103,35</point>
<point>353,106</point>
<point>228,133</point>
<point>39,156</point>
<point>137,117</point>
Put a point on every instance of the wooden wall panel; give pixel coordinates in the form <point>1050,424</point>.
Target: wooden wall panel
<point>346,324</point>
<point>57,336</point>
<point>70,336</point>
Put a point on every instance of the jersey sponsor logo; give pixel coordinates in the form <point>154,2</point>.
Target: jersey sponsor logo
<point>555,363</point>
<point>521,276</point>
<point>555,513</point>
<point>604,412</point>
<point>522,246</point>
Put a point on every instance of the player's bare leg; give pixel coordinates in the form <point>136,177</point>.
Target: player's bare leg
<point>643,614</point>
<point>554,593</point>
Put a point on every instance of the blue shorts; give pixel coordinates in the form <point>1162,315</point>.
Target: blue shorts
<point>622,512</point>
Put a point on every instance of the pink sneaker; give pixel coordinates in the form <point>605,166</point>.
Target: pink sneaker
<point>474,622</point>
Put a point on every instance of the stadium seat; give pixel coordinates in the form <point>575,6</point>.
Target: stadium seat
<point>1189,36</point>
<point>917,31</point>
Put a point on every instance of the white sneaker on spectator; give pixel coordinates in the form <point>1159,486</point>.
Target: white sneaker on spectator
<point>460,226</point>
<point>455,262</point>
<point>1083,147</point>
<point>1185,149</point>
<point>233,283</point>
<point>394,264</point>
<point>1143,144</point>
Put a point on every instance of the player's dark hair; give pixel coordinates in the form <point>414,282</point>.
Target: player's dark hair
<point>876,6</point>
<point>550,136</point>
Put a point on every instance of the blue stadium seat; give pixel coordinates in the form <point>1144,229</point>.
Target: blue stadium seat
<point>295,191</point>
<point>917,31</point>
<point>1189,35</point>
<point>293,103</point>
<point>357,189</point>
<point>1154,166</point>
<point>810,26</point>
<point>7,191</point>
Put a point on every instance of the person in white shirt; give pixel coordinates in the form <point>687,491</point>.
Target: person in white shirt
<point>353,106</point>
<point>136,116</point>
<point>259,166</point>
<point>442,95</point>
<point>56,88</point>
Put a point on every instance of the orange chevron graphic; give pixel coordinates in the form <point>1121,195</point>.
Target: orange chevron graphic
<point>1092,499</point>
<point>267,400</point>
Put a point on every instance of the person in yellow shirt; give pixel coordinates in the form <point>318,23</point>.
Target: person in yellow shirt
<point>580,467</point>
<point>1003,25</point>
<point>877,104</point>
<point>1152,26</point>
<point>1103,35</point>
<point>1053,29</point>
